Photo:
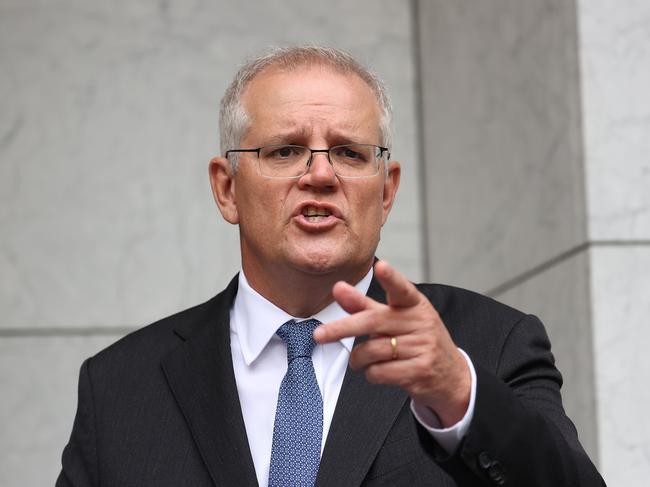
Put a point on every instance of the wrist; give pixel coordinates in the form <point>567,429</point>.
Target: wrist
<point>453,405</point>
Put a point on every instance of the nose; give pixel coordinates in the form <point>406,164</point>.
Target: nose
<point>320,173</point>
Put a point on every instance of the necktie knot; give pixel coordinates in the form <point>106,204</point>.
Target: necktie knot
<point>299,337</point>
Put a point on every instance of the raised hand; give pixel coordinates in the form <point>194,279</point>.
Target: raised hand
<point>408,344</point>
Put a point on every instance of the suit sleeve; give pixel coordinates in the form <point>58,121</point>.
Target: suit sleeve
<point>79,460</point>
<point>520,434</point>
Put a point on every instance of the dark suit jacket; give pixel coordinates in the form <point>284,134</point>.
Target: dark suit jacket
<point>160,408</point>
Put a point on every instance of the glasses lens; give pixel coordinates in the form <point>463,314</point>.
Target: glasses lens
<point>355,160</point>
<point>290,161</point>
<point>281,161</point>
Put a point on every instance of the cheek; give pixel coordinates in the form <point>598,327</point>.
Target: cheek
<point>369,210</point>
<point>264,214</point>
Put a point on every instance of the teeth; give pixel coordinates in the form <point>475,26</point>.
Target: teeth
<point>310,211</point>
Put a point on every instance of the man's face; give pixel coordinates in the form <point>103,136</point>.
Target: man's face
<point>318,108</point>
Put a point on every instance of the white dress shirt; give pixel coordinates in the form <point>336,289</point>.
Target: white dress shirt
<point>260,362</point>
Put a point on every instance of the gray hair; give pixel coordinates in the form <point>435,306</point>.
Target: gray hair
<point>233,118</point>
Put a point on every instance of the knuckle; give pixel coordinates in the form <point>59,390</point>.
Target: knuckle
<point>424,366</point>
<point>430,343</point>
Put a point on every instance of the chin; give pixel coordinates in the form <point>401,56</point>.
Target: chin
<point>317,264</point>
<point>328,261</point>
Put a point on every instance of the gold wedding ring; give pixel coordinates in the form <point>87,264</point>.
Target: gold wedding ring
<point>393,346</point>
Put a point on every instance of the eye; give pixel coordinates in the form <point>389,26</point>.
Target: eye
<point>351,154</point>
<point>282,152</point>
<point>285,151</point>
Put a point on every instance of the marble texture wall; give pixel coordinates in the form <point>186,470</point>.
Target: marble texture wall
<point>621,307</point>
<point>615,60</point>
<point>39,397</point>
<point>108,118</point>
<point>501,138</point>
<point>615,56</point>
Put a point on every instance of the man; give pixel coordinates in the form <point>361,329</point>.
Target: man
<point>444,387</point>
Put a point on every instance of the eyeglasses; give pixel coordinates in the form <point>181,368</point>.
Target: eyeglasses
<point>293,161</point>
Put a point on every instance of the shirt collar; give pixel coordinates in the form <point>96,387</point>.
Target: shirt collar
<point>256,319</point>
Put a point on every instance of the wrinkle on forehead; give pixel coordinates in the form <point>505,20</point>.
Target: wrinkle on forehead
<point>314,102</point>
<point>301,135</point>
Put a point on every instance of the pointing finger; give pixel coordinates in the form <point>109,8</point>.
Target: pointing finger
<point>400,292</point>
<point>354,325</point>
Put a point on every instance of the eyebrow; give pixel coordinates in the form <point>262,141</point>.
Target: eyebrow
<point>336,137</point>
<point>283,136</point>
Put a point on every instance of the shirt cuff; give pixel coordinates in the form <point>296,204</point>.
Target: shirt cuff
<point>448,438</point>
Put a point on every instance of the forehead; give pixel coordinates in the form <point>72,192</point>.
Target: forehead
<point>313,97</point>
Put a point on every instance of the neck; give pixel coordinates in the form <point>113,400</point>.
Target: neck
<point>297,292</point>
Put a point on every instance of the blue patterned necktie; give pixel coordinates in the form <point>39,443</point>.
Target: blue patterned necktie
<point>298,428</point>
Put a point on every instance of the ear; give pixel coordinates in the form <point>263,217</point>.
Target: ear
<point>222,181</point>
<point>391,183</point>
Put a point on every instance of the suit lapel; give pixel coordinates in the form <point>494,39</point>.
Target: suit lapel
<point>201,377</point>
<point>363,417</point>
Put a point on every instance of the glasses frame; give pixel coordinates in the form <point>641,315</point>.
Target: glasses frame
<point>382,151</point>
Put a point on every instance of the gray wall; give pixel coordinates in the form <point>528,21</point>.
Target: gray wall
<point>523,132</point>
<point>615,75</point>
<point>536,135</point>
<point>504,170</point>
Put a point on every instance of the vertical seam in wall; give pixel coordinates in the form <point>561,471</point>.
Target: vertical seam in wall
<point>584,177</point>
<point>419,133</point>
<point>594,360</point>
<point>581,127</point>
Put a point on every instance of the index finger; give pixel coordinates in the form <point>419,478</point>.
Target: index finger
<point>351,326</point>
<point>400,292</point>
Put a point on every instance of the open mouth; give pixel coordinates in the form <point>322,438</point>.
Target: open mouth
<point>315,214</point>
